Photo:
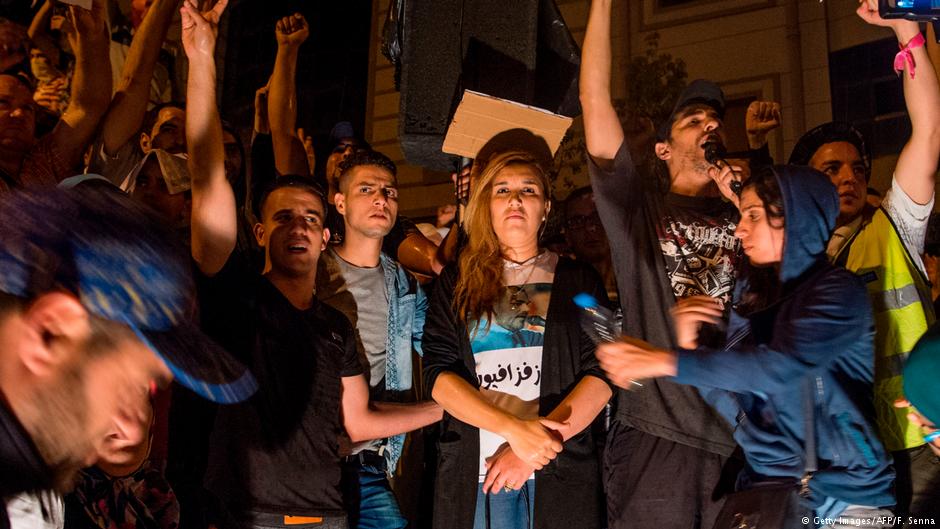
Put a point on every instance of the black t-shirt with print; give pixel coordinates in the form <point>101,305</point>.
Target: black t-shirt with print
<point>699,247</point>
<point>696,235</point>
<point>277,452</point>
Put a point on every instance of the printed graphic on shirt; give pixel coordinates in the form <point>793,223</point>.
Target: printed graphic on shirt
<point>508,357</point>
<point>701,256</point>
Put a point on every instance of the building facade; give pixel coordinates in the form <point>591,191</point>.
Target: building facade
<point>817,58</point>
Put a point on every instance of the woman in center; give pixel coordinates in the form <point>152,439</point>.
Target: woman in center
<point>505,356</point>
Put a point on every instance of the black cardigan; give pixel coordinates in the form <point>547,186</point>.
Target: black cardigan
<point>568,490</point>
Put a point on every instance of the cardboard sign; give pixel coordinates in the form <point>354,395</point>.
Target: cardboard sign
<point>480,117</point>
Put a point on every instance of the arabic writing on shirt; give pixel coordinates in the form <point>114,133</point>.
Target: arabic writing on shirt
<point>515,376</point>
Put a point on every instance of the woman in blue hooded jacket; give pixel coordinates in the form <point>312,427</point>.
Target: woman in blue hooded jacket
<point>800,326</point>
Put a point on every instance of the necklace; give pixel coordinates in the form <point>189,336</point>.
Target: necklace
<point>517,294</point>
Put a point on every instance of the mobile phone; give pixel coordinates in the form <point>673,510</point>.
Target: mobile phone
<point>910,9</point>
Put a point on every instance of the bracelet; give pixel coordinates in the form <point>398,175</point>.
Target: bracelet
<point>905,57</point>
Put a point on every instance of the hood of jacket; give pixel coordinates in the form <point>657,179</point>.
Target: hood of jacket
<point>810,208</point>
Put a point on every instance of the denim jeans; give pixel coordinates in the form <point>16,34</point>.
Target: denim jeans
<point>513,509</point>
<point>370,502</point>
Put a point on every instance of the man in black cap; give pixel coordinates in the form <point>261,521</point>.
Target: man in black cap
<point>666,447</point>
<point>95,300</point>
<point>884,246</point>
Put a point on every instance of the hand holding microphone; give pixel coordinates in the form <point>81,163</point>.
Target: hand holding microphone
<point>728,179</point>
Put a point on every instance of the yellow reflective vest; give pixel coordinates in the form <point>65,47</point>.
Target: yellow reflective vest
<point>902,307</point>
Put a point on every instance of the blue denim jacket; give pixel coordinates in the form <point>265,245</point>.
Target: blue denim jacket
<point>407,305</point>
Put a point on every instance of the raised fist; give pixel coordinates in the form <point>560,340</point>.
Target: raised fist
<point>762,117</point>
<point>292,31</point>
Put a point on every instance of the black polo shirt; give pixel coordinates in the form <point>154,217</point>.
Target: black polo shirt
<point>277,452</point>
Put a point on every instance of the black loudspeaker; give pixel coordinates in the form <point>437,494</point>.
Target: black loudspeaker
<point>518,50</point>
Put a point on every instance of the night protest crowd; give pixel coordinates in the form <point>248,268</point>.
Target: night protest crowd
<point>198,333</point>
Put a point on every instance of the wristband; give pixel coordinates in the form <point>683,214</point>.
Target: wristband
<point>905,57</point>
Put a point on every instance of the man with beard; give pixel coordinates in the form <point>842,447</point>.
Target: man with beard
<point>95,301</point>
<point>884,246</point>
<point>672,238</point>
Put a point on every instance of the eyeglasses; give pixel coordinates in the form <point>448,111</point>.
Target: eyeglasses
<point>578,222</point>
<point>342,146</point>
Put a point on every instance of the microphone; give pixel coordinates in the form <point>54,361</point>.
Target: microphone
<point>715,154</point>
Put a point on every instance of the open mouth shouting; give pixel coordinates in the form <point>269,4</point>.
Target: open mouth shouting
<point>298,246</point>
<point>711,138</point>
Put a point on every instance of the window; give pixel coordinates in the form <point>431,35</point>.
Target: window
<point>867,93</point>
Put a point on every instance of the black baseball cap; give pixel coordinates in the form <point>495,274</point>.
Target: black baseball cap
<point>699,91</point>
<point>830,132</point>
<point>123,265</point>
<point>344,130</point>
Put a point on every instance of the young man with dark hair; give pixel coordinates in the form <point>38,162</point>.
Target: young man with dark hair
<point>405,243</point>
<point>161,129</point>
<point>355,278</point>
<point>884,246</point>
<point>666,447</point>
<point>274,461</point>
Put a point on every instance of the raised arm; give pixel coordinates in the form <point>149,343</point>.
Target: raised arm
<point>39,29</point>
<point>917,166</point>
<point>214,228</point>
<point>289,155</point>
<point>91,83</point>
<point>602,130</point>
<point>40,22</point>
<point>933,48</point>
<point>129,104</point>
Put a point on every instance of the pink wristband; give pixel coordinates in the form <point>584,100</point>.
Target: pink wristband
<point>905,57</point>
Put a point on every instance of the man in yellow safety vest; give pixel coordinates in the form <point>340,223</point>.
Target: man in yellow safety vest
<point>884,246</point>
